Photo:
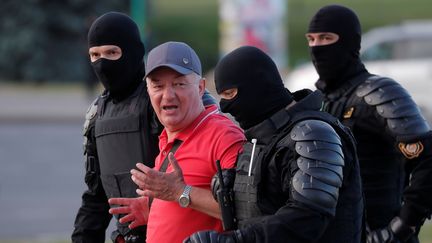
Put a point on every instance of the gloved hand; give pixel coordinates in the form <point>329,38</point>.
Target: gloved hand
<point>228,178</point>
<point>383,235</point>
<point>396,232</point>
<point>136,210</point>
<point>215,237</point>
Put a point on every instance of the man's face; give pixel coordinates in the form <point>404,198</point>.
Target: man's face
<point>110,52</point>
<point>321,38</point>
<point>176,98</point>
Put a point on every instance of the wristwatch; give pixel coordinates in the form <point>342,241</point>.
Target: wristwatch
<point>184,199</point>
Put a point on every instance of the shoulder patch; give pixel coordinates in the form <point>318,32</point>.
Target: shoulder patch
<point>348,113</point>
<point>411,150</point>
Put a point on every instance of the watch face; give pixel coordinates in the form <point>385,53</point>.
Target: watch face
<point>184,201</point>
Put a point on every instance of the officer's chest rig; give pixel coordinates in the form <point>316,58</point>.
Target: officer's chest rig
<point>246,183</point>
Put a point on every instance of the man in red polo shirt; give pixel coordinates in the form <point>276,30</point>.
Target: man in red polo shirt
<point>183,202</point>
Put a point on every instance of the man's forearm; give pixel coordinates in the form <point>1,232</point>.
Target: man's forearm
<point>202,200</point>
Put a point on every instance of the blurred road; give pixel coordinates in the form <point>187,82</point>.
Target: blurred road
<point>42,104</point>
<point>41,163</point>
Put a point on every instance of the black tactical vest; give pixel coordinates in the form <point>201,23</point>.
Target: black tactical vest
<point>249,202</point>
<point>125,136</point>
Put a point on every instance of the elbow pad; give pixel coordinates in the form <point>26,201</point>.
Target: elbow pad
<point>320,164</point>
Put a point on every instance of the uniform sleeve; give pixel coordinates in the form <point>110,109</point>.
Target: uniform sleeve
<point>412,136</point>
<point>417,195</point>
<point>93,217</point>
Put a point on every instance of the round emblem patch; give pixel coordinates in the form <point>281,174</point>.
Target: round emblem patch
<point>411,150</point>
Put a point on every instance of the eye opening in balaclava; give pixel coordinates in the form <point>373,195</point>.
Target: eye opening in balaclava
<point>261,92</point>
<point>335,61</point>
<point>120,77</point>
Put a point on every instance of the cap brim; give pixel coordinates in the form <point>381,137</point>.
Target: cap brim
<point>174,67</point>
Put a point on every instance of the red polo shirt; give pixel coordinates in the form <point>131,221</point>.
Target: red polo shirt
<point>211,137</point>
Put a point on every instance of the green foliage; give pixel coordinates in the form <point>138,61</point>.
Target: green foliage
<point>426,233</point>
<point>193,22</point>
<point>46,40</point>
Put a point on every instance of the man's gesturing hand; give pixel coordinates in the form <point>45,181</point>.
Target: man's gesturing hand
<point>165,186</point>
<point>136,210</point>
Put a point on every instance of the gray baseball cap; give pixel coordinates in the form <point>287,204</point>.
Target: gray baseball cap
<point>175,55</point>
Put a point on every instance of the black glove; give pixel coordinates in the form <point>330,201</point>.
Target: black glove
<point>396,232</point>
<point>383,235</point>
<point>228,178</point>
<point>214,237</point>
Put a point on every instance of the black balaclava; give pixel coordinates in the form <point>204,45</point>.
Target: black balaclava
<point>261,92</point>
<point>120,77</point>
<point>340,60</point>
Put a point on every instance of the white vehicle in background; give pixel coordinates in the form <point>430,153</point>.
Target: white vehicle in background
<point>402,52</point>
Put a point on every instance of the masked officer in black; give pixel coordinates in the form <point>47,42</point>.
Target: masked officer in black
<point>299,179</point>
<point>120,130</point>
<point>393,139</point>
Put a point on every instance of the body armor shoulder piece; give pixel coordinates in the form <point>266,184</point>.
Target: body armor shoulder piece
<point>317,140</point>
<point>320,164</point>
<point>398,108</point>
<point>394,103</point>
<point>373,83</point>
<point>90,114</point>
<point>381,91</point>
<point>314,130</point>
<point>408,126</point>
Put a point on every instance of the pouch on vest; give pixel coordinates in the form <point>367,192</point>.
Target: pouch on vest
<point>246,184</point>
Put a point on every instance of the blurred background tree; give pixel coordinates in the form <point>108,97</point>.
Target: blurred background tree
<point>45,40</point>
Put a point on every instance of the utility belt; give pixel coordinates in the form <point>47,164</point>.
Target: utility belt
<point>137,235</point>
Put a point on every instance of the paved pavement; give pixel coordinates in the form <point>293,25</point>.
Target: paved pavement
<point>41,162</point>
<point>41,103</point>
